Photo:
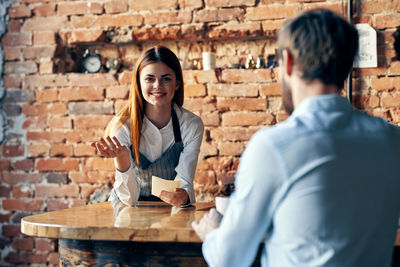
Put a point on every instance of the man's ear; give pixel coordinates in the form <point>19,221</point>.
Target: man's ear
<point>287,62</point>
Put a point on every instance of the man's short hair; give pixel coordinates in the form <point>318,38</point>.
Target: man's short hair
<point>323,45</point>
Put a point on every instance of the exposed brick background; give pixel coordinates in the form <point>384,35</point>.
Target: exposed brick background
<point>55,111</point>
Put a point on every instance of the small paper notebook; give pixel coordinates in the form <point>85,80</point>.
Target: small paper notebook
<point>158,184</point>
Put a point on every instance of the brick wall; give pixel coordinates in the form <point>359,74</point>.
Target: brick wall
<point>55,111</point>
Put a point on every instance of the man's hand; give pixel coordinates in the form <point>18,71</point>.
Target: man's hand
<point>209,222</point>
<point>178,198</point>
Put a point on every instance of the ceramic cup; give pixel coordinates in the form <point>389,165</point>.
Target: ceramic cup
<point>208,60</point>
<point>221,204</point>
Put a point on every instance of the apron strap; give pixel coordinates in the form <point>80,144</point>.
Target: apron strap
<point>175,125</point>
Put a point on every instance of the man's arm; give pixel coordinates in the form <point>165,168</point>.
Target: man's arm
<point>251,207</point>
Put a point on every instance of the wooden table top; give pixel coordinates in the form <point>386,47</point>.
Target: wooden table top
<point>148,221</point>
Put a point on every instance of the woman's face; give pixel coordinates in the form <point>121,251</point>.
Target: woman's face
<point>158,84</point>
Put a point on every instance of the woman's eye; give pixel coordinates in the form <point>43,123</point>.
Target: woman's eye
<point>166,79</point>
<point>149,79</point>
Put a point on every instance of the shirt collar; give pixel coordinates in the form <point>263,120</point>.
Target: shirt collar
<point>323,102</point>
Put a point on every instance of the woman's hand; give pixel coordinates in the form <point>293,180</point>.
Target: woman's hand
<point>110,149</point>
<point>178,198</point>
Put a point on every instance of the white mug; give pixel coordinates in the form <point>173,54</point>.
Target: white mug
<point>221,204</point>
<point>208,60</point>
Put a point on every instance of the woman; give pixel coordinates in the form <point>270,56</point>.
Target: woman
<point>153,134</point>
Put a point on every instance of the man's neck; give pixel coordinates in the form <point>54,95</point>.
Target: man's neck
<point>302,89</point>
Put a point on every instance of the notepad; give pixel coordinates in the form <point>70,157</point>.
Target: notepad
<point>158,184</point>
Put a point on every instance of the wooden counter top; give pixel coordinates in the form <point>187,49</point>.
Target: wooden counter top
<point>148,221</point>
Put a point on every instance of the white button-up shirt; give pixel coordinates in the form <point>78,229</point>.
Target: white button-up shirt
<point>153,143</point>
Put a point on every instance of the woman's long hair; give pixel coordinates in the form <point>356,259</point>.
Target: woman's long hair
<point>134,109</point>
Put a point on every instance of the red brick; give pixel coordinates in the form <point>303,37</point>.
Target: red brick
<point>54,164</point>
<point>158,34</point>
<point>77,136</point>
<point>271,12</point>
<point>233,90</point>
<point>15,178</point>
<point>272,89</point>
<point>78,202</point>
<point>104,177</point>
<point>88,189</point>
<point>385,83</point>
<point>271,27</point>
<point>101,164</point>
<point>125,78</point>
<point>12,53</point>
<point>281,116</point>
<point>97,79</point>
<point>32,257</point>
<point>81,150</point>
<point>44,244</point>
<point>200,104</point>
<point>337,8</point>
<point>390,100</point>
<point>140,5</point>
<point>5,218</point>
<point>17,38</point>
<point>211,119</point>
<point>370,71</point>
<point>23,243</point>
<point>190,4</point>
<point>49,95</point>
<point>35,123</point>
<point>199,76</point>
<point>85,36</point>
<point>246,118</point>
<point>26,67</point>
<point>24,165</point>
<point>236,30</point>
<point>46,67</point>
<point>230,133</point>
<point>43,81</point>
<point>242,104</point>
<point>57,122</point>
<point>82,21</point>
<point>38,150</point>
<point>366,101</point>
<point>39,52</point>
<point>11,230</point>
<point>13,151</point>
<point>247,76</point>
<point>81,93</point>
<point>231,148</point>
<point>56,204</point>
<point>19,12</point>
<point>14,25</point>
<point>39,109</point>
<point>195,90</point>
<point>205,177</point>
<point>54,258</point>
<point>91,121</point>
<point>63,150</point>
<point>119,20</point>
<point>54,190</point>
<point>81,8</point>
<point>53,23</point>
<point>119,104</point>
<point>5,165</point>
<point>45,10</point>
<point>387,21</point>
<point>394,68</point>
<point>24,205</point>
<point>12,81</point>
<point>224,3</point>
<point>21,191</point>
<point>172,17</point>
<point>116,6</point>
<point>120,91</point>
<point>193,31</point>
<point>52,137</point>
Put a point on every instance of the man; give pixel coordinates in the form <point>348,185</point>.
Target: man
<point>322,187</point>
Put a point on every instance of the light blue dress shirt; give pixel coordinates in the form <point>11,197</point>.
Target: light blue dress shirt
<point>323,187</point>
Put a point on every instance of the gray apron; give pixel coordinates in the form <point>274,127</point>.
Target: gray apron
<point>163,167</point>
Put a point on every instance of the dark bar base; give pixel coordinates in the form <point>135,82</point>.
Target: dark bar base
<point>112,253</point>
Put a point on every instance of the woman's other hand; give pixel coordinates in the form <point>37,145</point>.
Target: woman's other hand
<point>110,148</point>
<point>178,198</point>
